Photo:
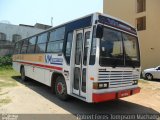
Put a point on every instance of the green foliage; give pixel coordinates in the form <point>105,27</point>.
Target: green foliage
<point>6,61</point>
<point>5,101</point>
<point>8,77</point>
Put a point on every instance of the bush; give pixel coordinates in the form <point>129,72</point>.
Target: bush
<point>6,61</point>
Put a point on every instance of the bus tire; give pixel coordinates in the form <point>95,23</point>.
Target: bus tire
<point>61,88</point>
<point>23,77</point>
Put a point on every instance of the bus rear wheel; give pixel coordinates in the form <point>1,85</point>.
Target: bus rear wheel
<point>23,77</point>
<point>61,88</point>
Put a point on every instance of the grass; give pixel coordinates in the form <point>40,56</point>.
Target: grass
<point>7,80</point>
<point>5,101</point>
<point>7,71</point>
<point>7,84</point>
<point>7,75</point>
<point>3,93</point>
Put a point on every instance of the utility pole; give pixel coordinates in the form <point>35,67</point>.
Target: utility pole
<point>52,21</point>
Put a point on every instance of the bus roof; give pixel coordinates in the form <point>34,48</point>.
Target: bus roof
<point>94,14</point>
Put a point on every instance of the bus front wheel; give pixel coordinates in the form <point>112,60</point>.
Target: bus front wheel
<point>61,88</point>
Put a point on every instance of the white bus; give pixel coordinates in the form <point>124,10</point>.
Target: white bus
<point>95,58</point>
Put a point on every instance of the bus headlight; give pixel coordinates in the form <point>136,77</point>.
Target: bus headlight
<point>102,85</point>
<point>105,85</point>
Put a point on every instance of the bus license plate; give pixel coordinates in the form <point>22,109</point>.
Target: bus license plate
<point>123,94</point>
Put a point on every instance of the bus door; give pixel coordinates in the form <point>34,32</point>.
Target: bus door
<point>82,42</point>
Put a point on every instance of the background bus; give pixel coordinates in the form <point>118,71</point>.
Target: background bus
<point>95,58</point>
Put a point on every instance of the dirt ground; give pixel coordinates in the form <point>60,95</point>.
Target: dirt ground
<point>149,95</point>
<point>33,97</point>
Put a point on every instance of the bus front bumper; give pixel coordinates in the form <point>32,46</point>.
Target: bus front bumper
<point>114,95</point>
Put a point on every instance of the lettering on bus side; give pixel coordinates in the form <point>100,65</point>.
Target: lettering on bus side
<point>49,59</point>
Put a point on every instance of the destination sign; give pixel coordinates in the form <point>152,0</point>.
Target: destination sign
<point>116,23</point>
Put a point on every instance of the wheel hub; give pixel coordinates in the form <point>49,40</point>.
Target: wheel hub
<point>60,88</point>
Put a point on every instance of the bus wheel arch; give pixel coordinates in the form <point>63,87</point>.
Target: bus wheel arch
<point>53,80</point>
<point>54,77</point>
<point>58,83</point>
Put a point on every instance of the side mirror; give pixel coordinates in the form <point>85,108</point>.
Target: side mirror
<point>99,31</point>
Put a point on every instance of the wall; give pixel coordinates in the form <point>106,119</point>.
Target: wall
<point>6,46</point>
<point>9,30</point>
<point>123,9</point>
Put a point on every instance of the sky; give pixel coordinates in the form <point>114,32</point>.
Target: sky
<point>41,11</point>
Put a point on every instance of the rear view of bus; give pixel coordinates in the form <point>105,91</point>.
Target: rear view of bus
<point>114,66</point>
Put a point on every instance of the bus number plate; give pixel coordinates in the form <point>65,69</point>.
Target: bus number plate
<point>123,94</point>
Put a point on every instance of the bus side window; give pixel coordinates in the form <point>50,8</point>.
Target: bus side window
<point>69,47</point>
<point>24,46</point>
<point>18,47</point>
<point>56,39</point>
<point>41,43</point>
<point>31,46</point>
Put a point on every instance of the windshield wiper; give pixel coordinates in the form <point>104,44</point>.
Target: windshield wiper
<point>117,59</point>
<point>132,63</point>
<point>115,63</point>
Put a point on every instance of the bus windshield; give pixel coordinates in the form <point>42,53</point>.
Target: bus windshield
<point>118,49</point>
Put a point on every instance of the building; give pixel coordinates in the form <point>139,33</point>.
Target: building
<point>42,26</point>
<point>38,26</point>
<point>9,34</point>
<point>144,15</point>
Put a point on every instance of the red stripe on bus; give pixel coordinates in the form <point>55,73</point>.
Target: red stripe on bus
<point>44,66</point>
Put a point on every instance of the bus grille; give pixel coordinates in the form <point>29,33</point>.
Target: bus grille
<point>118,79</point>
